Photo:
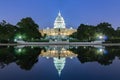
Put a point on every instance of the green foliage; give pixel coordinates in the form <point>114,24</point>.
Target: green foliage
<point>118,33</point>
<point>86,32</point>
<point>24,57</point>
<point>7,32</point>
<point>106,29</point>
<point>26,29</point>
<point>92,54</point>
<point>29,29</point>
<point>90,32</point>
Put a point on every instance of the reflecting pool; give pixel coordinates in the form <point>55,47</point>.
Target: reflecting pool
<point>59,62</point>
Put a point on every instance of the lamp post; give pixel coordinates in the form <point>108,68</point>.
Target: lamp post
<point>101,38</point>
<point>20,37</point>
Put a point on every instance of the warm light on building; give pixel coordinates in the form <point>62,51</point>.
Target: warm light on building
<point>59,28</point>
<point>55,53</point>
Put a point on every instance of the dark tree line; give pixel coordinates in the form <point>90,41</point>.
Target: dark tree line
<point>7,32</point>
<point>26,29</point>
<point>90,32</point>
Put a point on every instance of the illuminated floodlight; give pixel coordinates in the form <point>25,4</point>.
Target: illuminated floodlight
<point>71,57</point>
<point>19,50</point>
<point>15,40</point>
<point>100,37</point>
<point>20,37</point>
<point>47,57</point>
<point>101,50</point>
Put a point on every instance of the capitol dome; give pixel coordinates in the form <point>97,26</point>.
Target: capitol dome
<point>59,21</point>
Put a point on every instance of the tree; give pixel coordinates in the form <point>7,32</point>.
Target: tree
<point>106,29</point>
<point>118,32</point>
<point>85,32</point>
<point>7,31</point>
<point>90,32</point>
<point>29,29</point>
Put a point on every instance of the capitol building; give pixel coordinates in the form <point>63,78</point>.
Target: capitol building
<point>59,30</point>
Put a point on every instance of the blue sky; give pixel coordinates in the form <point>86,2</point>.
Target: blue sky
<point>74,12</point>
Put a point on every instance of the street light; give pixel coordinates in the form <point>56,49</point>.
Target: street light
<point>101,37</point>
<point>15,40</point>
<point>20,37</point>
<point>101,50</point>
<point>19,50</point>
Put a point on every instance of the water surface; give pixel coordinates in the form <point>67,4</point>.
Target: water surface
<point>59,63</point>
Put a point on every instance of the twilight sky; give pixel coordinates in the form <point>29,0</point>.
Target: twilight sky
<point>74,12</point>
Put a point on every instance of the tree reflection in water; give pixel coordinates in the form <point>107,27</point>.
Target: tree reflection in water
<point>26,57</point>
<point>100,54</point>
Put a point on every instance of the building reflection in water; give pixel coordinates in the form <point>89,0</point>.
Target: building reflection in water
<point>59,55</point>
<point>27,56</point>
